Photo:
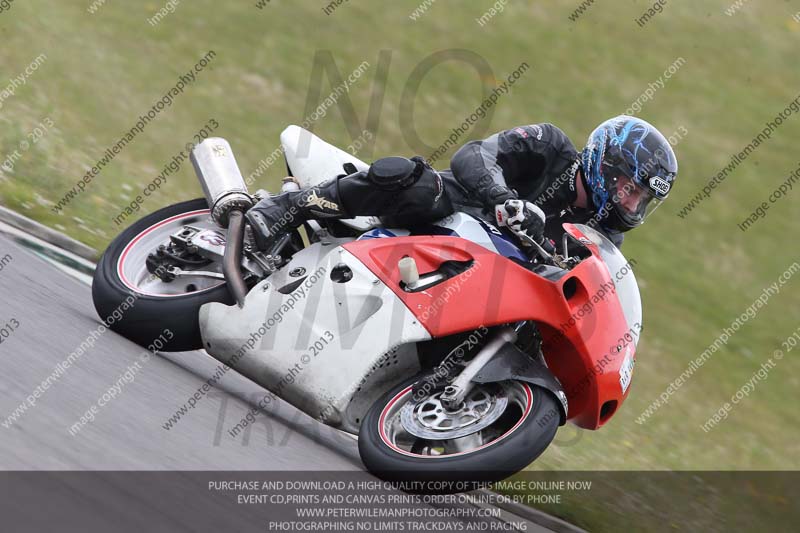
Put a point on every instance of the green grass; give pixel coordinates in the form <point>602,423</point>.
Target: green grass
<point>697,275</point>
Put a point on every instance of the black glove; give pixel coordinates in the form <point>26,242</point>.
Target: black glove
<point>525,219</point>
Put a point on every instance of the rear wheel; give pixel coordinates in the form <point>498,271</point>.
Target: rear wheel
<point>158,305</point>
<point>499,429</point>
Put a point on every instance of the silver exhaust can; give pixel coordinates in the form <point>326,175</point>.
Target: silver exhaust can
<point>220,178</point>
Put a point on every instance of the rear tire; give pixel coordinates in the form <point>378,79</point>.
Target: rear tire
<point>150,315</point>
<point>517,448</point>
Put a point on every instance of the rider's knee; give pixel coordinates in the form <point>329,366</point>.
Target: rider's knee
<point>413,180</point>
<point>421,198</point>
<point>392,173</point>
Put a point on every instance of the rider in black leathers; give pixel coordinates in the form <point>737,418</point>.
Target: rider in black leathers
<point>529,178</point>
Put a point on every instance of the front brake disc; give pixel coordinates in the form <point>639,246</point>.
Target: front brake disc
<point>430,419</point>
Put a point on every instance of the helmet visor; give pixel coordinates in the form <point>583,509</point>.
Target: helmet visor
<point>633,202</point>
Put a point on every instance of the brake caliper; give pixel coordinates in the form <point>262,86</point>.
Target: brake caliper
<point>180,252</point>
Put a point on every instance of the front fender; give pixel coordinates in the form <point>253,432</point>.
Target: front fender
<point>511,363</point>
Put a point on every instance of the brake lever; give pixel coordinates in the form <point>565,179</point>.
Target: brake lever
<point>538,247</point>
<point>550,259</point>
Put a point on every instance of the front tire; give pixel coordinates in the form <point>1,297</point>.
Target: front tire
<point>508,445</point>
<point>158,306</point>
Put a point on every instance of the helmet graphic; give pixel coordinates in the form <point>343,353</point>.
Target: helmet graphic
<point>629,168</point>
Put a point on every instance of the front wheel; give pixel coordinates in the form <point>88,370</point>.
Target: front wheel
<point>500,429</point>
<point>122,277</point>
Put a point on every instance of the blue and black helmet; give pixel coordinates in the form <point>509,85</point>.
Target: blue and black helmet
<point>629,168</point>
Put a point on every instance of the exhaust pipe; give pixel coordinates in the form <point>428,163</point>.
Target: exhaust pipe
<point>232,260</point>
<point>220,178</point>
<point>227,196</point>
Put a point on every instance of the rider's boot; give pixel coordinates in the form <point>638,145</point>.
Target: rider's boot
<point>276,215</point>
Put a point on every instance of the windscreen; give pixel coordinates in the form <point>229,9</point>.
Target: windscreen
<point>621,272</point>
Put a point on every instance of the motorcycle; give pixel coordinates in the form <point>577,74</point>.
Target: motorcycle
<point>449,351</point>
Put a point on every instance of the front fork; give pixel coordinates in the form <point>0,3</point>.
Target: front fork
<point>454,394</point>
<point>501,360</point>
